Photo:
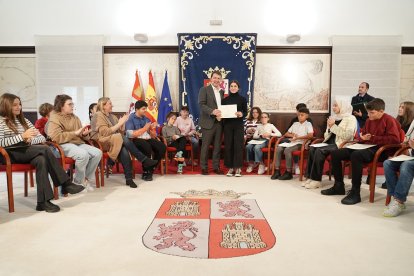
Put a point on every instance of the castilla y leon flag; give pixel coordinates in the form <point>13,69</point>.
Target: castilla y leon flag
<point>151,100</point>
<point>137,93</point>
<point>209,224</point>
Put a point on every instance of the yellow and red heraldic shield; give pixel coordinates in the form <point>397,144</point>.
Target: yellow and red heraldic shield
<point>209,228</point>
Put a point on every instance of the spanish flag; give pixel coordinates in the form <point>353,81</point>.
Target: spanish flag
<point>151,100</point>
<point>137,93</point>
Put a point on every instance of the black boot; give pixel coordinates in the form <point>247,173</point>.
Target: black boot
<point>275,175</point>
<point>353,197</point>
<point>131,183</point>
<point>384,185</point>
<point>286,176</point>
<point>149,163</point>
<point>336,189</point>
<point>71,188</point>
<point>47,206</point>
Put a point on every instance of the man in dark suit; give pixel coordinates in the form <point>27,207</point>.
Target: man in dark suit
<point>209,100</point>
<point>362,97</point>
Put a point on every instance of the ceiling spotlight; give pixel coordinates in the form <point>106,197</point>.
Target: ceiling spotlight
<point>141,37</point>
<point>292,38</point>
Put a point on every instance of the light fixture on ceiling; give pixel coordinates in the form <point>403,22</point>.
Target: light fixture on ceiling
<point>292,38</point>
<point>141,37</point>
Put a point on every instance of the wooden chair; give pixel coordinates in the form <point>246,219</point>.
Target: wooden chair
<point>302,153</point>
<point>375,163</point>
<point>9,168</point>
<point>68,163</point>
<point>171,150</point>
<point>269,153</point>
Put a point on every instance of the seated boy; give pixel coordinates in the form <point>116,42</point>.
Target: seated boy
<point>297,133</point>
<point>44,111</point>
<point>144,135</point>
<point>381,129</point>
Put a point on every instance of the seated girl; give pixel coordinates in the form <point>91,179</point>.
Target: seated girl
<point>175,139</point>
<point>263,133</point>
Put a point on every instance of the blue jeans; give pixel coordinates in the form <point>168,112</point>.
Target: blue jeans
<point>254,152</point>
<point>399,187</point>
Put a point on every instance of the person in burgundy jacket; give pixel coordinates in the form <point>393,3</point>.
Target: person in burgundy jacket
<point>381,129</point>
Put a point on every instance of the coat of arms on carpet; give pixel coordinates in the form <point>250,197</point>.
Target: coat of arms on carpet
<point>209,224</point>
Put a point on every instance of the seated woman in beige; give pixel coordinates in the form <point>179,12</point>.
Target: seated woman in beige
<point>106,128</point>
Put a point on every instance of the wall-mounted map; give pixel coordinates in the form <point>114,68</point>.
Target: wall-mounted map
<point>18,76</point>
<point>284,80</point>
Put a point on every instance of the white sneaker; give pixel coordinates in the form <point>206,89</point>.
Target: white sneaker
<point>88,186</point>
<point>238,172</point>
<point>393,209</point>
<point>313,185</point>
<point>249,168</point>
<point>304,183</point>
<point>262,169</point>
<point>297,169</point>
<point>230,172</point>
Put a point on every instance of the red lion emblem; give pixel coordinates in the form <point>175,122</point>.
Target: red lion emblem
<point>233,208</point>
<point>174,235</point>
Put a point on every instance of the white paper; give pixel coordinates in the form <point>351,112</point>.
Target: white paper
<point>256,142</point>
<point>289,145</point>
<point>402,158</point>
<point>228,111</point>
<point>319,145</point>
<point>360,146</point>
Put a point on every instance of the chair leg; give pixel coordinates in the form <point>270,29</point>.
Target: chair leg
<point>26,184</point>
<point>101,164</point>
<point>55,192</point>
<point>268,162</point>
<point>10,189</point>
<point>31,179</point>
<point>372,179</point>
<point>387,200</point>
<point>97,182</point>
<point>301,169</point>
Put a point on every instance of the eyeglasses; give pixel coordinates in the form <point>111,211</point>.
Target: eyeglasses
<point>264,117</point>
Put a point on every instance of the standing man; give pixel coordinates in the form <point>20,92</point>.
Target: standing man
<point>209,100</point>
<point>362,97</point>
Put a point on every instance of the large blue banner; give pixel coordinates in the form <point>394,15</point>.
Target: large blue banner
<point>200,54</point>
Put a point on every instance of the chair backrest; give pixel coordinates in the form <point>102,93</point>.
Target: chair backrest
<point>402,135</point>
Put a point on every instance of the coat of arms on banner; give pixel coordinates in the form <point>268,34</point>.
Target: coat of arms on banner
<point>209,224</point>
<point>224,84</point>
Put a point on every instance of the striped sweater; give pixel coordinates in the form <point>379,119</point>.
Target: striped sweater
<point>9,138</point>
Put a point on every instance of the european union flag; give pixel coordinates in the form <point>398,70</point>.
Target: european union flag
<point>165,102</point>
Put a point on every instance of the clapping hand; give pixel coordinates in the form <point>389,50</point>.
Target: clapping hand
<point>411,143</point>
<point>330,122</point>
<point>365,137</point>
<point>123,119</point>
<point>30,133</point>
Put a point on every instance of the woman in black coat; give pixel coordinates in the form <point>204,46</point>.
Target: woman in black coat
<point>234,131</point>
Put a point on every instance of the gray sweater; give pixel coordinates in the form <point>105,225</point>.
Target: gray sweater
<point>169,131</point>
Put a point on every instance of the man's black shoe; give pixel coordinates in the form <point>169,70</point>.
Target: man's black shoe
<point>336,189</point>
<point>351,198</point>
<point>275,175</point>
<point>147,177</point>
<point>72,188</point>
<point>204,171</point>
<point>47,206</point>
<point>286,176</point>
<point>149,163</point>
<point>131,183</point>
<point>384,185</point>
<point>218,171</point>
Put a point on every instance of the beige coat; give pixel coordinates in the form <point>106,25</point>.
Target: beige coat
<point>61,128</point>
<point>102,132</point>
<point>345,131</point>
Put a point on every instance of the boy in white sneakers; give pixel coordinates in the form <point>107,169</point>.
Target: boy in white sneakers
<point>297,134</point>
